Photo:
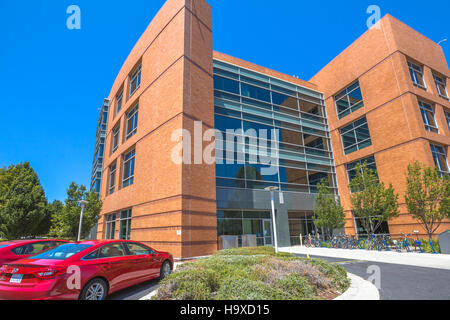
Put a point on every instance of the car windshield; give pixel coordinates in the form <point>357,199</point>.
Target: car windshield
<point>62,252</point>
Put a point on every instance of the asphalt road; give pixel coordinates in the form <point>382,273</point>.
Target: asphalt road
<point>402,282</point>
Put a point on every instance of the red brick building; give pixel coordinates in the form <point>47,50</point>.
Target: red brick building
<point>173,79</point>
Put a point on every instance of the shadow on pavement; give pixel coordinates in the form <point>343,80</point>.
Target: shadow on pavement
<point>136,292</point>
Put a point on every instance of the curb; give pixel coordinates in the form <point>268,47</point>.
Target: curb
<point>360,289</point>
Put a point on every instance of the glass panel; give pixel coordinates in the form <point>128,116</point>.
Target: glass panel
<point>284,100</point>
<point>111,251</point>
<point>225,123</point>
<point>224,84</point>
<point>253,227</point>
<point>267,233</point>
<point>255,92</point>
<point>229,214</point>
<point>228,227</point>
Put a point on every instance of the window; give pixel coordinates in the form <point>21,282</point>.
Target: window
<point>356,136</point>
<point>255,92</point>
<point>300,224</point>
<point>239,223</point>
<point>34,248</point>
<point>135,81</point>
<point>110,227</point>
<point>383,228</point>
<point>428,117</point>
<point>119,102</point>
<point>111,251</point>
<point>132,121</point>
<point>128,169</point>
<point>351,167</point>
<point>440,86</point>
<point>225,84</point>
<point>62,252</point>
<point>116,137</point>
<point>349,100</point>
<point>417,75</point>
<point>136,249</point>
<point>447,116</point>
<point>440,158</point>
<point>112,178</point>
<point>125,225</point>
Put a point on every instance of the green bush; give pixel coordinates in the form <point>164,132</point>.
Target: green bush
<point>253,274</point>
<point>427,248</point>
<point>246,251</point>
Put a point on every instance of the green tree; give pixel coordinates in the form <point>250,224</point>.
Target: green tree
<point>445,204</point>
<point>23,205</point>
<point>328,211</point>
<point>427,196</point>
<point>371,201</point>
<point>65,219</point>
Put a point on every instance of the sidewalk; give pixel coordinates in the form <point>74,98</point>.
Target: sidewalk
<point>426,260</point>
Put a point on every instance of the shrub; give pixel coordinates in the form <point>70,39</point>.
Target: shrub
<point>427,248</point>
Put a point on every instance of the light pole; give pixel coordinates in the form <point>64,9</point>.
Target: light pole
<point>272,200</point>
<point>83,204</point>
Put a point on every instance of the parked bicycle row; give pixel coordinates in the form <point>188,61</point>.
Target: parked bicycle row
<point>373,242</point>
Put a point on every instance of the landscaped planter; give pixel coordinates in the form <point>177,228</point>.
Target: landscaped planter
<point>254,274</point>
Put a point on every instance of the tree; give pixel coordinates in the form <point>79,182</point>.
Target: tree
<point>65,219</point>
<point>445,203</point>
<point>371,201</point>
<point>23,205</point>
<point>328,211</point>
<point>427,196</point>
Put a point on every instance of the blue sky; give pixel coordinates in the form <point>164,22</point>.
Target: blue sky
<point>53,80</point>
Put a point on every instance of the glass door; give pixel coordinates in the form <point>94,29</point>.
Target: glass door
<point>267,230</point>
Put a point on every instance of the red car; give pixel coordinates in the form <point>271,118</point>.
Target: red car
<point>88,270</point>
<point>20,249</point>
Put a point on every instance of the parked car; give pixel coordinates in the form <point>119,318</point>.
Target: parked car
<point>20,249</point>
<point>87,270</point>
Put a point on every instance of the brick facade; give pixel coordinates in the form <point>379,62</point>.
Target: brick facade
<point>174,206</point>
<point>378,59</point>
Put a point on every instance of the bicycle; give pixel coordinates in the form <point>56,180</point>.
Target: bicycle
<point>405,242</point>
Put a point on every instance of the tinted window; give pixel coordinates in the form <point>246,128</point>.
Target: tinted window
<point>62,252</point>
<point>138,249</point>
<point>111,250</point>
<point>224,123</point>
<point>226,85</point>
<point>92,255</point>
<point>4,246</point>
<point>349,100</point>
<point>34,248</point>
<point>255,92</point>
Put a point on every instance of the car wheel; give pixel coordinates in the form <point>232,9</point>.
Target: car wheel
<point>96,289</point>
<point>166,270</point>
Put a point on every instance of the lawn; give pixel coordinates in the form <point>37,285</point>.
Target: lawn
<point>254,274</point>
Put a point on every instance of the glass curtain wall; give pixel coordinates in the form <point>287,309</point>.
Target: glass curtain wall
<point>273,133</point>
